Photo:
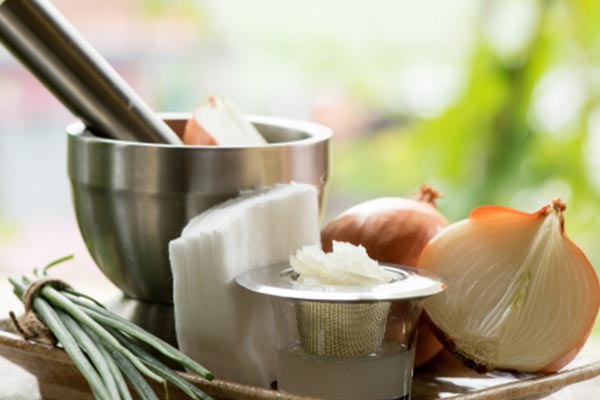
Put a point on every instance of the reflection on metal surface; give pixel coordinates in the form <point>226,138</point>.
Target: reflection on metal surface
<point>131,199</point>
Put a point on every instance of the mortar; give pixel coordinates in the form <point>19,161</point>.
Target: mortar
<point>132,198</point>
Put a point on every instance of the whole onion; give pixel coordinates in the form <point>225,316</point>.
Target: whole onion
<point>521,295</point>
<point>393,230</point>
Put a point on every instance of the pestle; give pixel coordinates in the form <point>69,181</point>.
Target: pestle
<point>50,47</point>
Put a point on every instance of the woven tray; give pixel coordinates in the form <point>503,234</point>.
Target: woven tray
<point>443,377</point>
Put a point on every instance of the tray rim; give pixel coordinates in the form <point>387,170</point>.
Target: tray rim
<point>543,385</point>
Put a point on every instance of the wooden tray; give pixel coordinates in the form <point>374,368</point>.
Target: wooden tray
<point>443,377</point>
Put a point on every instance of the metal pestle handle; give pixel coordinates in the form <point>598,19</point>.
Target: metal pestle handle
<point>48,45</point>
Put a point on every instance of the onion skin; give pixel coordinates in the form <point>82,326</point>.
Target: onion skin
<point>450,346</point>
<point>195,135</point>
<point>393,230</point>
<point>569,356</point>
<point>497,216</point>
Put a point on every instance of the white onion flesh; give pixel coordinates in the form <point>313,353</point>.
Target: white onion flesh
<point>220,119</point>
<point>346,265</point>
<point>521,296</point>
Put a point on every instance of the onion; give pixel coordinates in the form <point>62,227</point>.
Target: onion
<point>219,122</point>
<point>393,230</point>
<point>521,296</point>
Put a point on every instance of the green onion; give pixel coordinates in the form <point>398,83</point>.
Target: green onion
<point>117,374</point>
<point>136,380</point>
<point>90,348</point>
<point>84,296</point>
<point>61,301</point>
<point>44,269</point>
<point>51,319</point>
<point>161,368</point>
<point>112,320</point>
<point>18,287</point>
<point>113,345</point>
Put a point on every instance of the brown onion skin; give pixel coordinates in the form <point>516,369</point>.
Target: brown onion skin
<point>393,230</point>
<point>449,345</point>
<point>195,135</point>
<point>569,356</point>
<point>561,361</point>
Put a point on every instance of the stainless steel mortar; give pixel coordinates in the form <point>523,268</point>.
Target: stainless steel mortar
<point>132,198</point>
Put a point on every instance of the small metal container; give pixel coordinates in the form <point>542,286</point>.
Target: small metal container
<point>132,198</point>
<point>345,342</point>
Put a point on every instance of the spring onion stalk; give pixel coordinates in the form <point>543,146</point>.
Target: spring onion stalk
<point>117,374</point>
<point>53,322</point>
<point>41,271</point>
<point>61,301</point>
<point>91,349</point>
<point>161,368</point>
<point>106,348</point>
<point>102,315</point>
<point>18,287</point>
<point>68,342</point>
<point>107,318</point>
<point>135,378</point>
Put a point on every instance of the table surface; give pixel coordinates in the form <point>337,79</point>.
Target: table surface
<point>17,384</point>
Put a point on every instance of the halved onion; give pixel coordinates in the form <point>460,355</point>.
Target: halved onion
<point>521,295</point>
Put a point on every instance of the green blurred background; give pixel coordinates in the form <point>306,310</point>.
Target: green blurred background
<point>490,101</point>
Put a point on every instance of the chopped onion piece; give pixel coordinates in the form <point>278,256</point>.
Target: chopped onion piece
<point>347,265</point>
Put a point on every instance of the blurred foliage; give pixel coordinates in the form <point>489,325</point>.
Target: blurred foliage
<point>490,147</point>
<point>184,9</point>
<point>7,229</point>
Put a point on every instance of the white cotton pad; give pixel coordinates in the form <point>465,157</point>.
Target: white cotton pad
<point>224,327</point>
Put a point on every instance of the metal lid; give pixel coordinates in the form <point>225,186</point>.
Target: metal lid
<point>278,281</point>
